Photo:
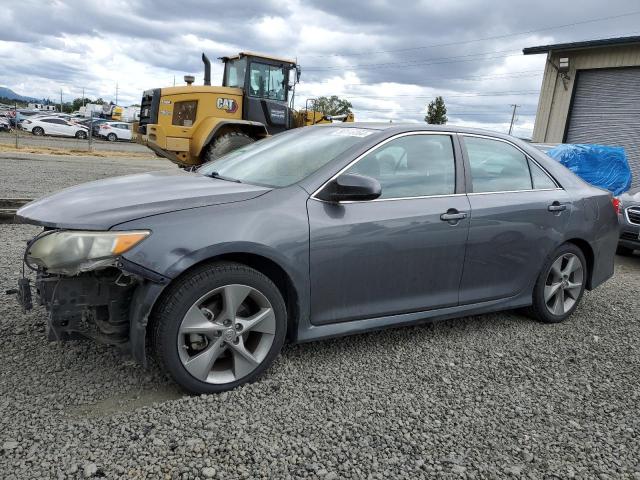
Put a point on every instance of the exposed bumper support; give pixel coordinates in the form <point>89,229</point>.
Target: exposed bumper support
<point>110,306</point>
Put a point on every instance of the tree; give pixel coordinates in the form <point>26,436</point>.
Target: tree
<point>436,112</point>
<point>332,105</point>
<point>78,102</point>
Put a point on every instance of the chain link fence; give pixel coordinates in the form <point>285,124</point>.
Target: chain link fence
<point>18,130</point>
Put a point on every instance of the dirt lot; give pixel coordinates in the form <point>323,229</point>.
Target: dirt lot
<point>491,396</point>
<point>27,139</point>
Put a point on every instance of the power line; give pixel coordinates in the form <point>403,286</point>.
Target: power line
<point>471,95</point>
<point>429,61</point>
<point>423,112</point>
<point>482,39</point>
<point>518,74</point>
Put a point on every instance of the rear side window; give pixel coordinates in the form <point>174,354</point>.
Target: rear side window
<point>411,166</point>
<point>497,166</point>
<point>540,178</point>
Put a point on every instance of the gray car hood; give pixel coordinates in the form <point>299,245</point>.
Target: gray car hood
<point>102,204</point>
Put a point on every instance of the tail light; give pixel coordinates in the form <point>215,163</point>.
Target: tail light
<point>617,205</point>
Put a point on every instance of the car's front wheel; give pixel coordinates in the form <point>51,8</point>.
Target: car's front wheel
<point>112,137</point>
<point>219,327</point>
<point>81,134</point>
<point>38,131</point>
<point>560,285</point>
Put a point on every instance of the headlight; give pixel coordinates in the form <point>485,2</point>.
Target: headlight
<point>71,252</point>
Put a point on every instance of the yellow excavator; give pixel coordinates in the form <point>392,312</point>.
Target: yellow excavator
<point>193,124</point>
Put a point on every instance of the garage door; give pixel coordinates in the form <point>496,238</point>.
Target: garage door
<point>606,110</point>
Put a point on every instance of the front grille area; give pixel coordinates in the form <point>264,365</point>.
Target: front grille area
<point>149,106</point>
<point>633,213</point>
<point>629,236</point>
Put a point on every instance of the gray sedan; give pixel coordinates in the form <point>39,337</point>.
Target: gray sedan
<point>629,216</point>
<point>313,233</point>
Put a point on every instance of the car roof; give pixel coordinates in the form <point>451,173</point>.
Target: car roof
<point>413,127</point>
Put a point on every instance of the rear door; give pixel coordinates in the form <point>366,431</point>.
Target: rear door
<point>518,216</point>
<point>50,126</point>
<point>396,254</point>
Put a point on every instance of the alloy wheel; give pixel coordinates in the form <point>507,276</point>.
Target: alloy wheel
<point>226,334</point>
<point>564,284</point>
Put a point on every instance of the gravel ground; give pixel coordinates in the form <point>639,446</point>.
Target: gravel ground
<point>491,396</point>
<point>33,176</point>
<point>28,139</point>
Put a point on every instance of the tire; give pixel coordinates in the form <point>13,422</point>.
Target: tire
<point>568,283</point>
<point>38,131</point>
<point>112,137</point>
<point>226,143</point>
<point>81,134</point>
<point>198,301</point>
<point>624,251</point>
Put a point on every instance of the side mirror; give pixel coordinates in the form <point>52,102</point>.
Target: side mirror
<point>351,187</point>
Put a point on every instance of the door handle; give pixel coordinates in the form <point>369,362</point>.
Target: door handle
<point>452,215</point>
<point>556,207</point>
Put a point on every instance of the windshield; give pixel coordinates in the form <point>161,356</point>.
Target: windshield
<point>287,158</point>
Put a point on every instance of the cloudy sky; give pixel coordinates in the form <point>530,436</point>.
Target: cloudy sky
<point>388,57</point>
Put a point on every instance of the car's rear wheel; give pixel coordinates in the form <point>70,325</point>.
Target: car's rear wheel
<point>560,285</point>
<point>39,131</point>
<point>81,134</point>
<point>226,143</point>
<point>219,327</point>
<point>112,137</point>
<point>624,251</point>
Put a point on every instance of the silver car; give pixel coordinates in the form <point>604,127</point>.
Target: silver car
<point>629,218</point>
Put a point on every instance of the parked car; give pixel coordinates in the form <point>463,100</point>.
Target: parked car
<point>95,126</point>
<point>629,217</point>
<point>54,126</point>
<point>114,131</point>
<point>4,124</point>
<point>313,233</point>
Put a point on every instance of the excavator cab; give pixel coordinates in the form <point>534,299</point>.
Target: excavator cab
<point>268,84</point>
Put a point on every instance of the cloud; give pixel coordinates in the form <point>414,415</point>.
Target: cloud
<point>388,58</point>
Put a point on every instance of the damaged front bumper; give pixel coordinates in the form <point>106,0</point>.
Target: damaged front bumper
<point>110,305</point>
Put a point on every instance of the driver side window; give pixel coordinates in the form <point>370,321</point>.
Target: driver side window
<point>411,166</point>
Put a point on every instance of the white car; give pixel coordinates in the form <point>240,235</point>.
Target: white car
<point>54,126</point>
<point>114,131</point>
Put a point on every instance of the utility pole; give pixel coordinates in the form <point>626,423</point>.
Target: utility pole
<point>15,119</point>
<point>83,96</point>
<point>60,100</point>
<point>513,117</point>
<point>116,93</point>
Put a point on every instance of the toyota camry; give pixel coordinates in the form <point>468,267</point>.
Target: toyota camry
<point>314,233</point>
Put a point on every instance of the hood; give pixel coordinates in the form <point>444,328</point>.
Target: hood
<point>631,197</point>
<point>102,204</point>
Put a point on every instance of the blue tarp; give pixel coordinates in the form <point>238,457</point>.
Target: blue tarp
<point>604,167</point>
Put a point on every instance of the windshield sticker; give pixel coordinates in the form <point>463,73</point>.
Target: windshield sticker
<point>352,132</point>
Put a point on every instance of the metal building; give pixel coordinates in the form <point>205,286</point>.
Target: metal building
<point>591,94</point>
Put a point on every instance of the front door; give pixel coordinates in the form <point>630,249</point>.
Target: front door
<point>518,217</point>
<point>265,98</point>
<point>396,254</point>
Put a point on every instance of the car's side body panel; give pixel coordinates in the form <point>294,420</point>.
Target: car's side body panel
<point>510,236</point>
<point>370,259</point>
